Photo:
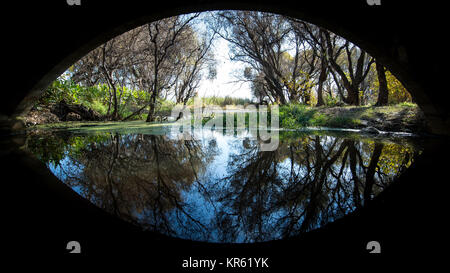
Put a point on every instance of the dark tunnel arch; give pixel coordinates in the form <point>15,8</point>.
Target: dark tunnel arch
<point>41,211</point>
<point>354,20</point>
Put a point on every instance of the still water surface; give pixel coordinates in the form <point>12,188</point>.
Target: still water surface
<point>222,188</point>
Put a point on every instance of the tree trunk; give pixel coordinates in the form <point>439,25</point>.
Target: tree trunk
<point>353,165</point>
<point>157,62</point>
<point>322,78</point>
<point>370,175</point>
<point>383,91</point>
<point>109,107</point>
<point>353,95</point>
<point>151,110</point>
<point>115,111</point>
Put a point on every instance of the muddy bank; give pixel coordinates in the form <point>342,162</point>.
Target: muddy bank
<point>60,112</point>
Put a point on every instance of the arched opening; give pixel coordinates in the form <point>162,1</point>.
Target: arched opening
<point>401,58</point>
<point>219,186</point>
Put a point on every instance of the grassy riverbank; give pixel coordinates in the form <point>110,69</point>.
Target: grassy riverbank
<point>404,117</point>
<point>401,117</point>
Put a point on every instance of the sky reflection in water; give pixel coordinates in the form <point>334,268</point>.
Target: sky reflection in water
<point>221,188</point>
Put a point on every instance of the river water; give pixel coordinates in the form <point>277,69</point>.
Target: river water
<point>220,187</point>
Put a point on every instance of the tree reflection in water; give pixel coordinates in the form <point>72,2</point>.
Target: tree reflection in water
<point>221,188</point>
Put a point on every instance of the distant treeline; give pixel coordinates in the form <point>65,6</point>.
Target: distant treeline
<point>222,101</point>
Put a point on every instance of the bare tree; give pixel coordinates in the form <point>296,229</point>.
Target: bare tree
<point>189,74</point>
<point>165,58</point>
<point>276,49</point>
<point>316,39</point>
<point>257,39</point>
<point>351,75</point>
<point>164,36</point>
<point>171,61</point>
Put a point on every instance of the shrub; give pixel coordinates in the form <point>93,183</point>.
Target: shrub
<point>98,106</point>
<point>407,104</point>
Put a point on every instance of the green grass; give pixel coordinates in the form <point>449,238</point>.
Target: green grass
<point>295,116</point>
<point>407,104</point>
<point>291,116</point>
<point>342,121</point>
